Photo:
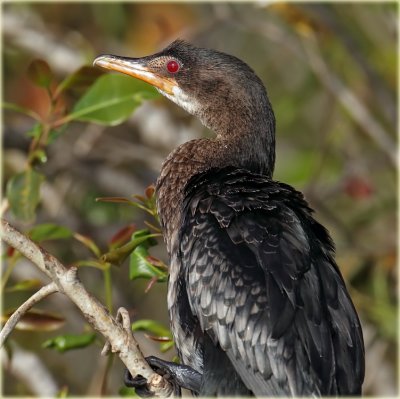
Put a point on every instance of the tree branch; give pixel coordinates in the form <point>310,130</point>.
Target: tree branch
<point>119,336</point>
<point>26,366</point>
<point>16,316</point>
<point>350,101</point>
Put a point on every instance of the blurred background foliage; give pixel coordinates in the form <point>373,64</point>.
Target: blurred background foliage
<point>331,72</point>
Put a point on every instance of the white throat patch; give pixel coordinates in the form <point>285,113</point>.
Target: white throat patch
<point>180,98</point>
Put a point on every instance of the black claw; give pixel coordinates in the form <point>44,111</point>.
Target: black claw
<point>178,375</point>
<point>157,363</point>
<point>134,382</point>
<point>139,383</point>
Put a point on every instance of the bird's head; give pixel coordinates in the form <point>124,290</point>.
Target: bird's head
<point>218,88</point>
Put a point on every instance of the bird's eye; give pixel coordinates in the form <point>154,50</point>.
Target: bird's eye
<point>173,66</point>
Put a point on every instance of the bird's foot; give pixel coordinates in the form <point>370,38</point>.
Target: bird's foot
<point>178,375</point>
<point>139,383</point>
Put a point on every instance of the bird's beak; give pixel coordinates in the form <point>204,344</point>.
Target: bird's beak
<point>136,67</point>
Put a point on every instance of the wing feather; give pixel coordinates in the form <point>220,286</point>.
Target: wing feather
<point>263,284</point>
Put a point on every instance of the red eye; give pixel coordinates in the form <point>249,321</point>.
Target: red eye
<point>173,66</point>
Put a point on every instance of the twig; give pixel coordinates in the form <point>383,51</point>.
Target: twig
<point>120,338</point>
<point>26,366</point>
<point>349,101</point>
<point>16,316</point>
<point>31,37</point>
<point>4,206</point>
<point>356,109</point>
<point>342,30</point>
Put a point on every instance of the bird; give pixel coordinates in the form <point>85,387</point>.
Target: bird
<point>257,303</point>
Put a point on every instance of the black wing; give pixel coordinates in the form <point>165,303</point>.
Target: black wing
<point>262,282</point>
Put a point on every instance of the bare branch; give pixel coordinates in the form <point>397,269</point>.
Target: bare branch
<point>16,316</point>
<point>27,367</point>
<point>4,206</point>
<point>123,318</point>
<point>121,339</point>
<point>353,105</point>
<point>31,36</point>
<point>349,101</point>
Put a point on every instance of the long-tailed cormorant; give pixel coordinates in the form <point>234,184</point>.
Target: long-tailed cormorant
<point>257,303</point>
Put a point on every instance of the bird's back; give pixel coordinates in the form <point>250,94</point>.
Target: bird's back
<point>257,302</point>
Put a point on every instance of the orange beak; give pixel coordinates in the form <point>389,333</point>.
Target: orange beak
<point>137,68</point>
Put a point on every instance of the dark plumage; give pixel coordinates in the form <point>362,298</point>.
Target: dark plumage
<point>261,279</point>
<point>256,300</point>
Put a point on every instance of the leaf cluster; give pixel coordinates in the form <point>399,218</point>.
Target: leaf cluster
<point>85,96</point>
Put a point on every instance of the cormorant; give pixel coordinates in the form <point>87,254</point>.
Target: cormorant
<point>256,301</point>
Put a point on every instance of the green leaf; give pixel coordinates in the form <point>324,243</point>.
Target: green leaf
<point>88,243</point>
<point>159,331</point>
<point>92,263</point>
<point>49,231</point>
<point>139,264</point>
<point>39,72</point>
<point>141,237</point>
<point>22,110</point>
<point>111,99</point>
<point>80,80</point>
<point>140,267</point>
<point>166,346</point>
<point>23,194</point>
<point>25,285</point>
<point>37,320</point>
<point>116,200</point>
<point>152,327</point>
<point>67,342</point>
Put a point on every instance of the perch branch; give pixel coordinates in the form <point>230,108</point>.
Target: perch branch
<point>120,339</point>
<point>16,316</point>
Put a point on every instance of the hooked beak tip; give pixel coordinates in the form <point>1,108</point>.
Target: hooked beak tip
<point>98,61</point>
<point>104,61</point>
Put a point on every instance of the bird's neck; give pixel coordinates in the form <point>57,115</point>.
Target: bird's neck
<point>254,151</point>
<point>245,131</point>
